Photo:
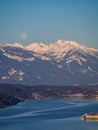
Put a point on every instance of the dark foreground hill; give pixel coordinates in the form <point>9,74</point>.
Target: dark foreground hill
<point>12,94</point>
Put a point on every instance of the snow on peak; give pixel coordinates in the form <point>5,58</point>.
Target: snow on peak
<point>57,49</point>
<point>60,41</point>
<point>18,45</point>
<point>67,43</point>
<point>36,47</point>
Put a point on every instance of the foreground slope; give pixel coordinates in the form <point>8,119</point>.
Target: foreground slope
<point>11,94</point>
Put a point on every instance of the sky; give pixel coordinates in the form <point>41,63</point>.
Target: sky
<point>28,21</point>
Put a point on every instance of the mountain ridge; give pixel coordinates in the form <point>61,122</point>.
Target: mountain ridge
<point>51,64</point>
<point>58,42</point>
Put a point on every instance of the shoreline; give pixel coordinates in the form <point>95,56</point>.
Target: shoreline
<point>11,94</point>
<point>15,103</point>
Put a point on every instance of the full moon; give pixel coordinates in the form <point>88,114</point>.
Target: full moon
<point>23,35</point>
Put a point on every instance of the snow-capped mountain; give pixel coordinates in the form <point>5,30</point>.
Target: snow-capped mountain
<point>59,63</point>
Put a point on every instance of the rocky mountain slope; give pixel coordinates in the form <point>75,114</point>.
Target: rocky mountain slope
<point>59,63</point>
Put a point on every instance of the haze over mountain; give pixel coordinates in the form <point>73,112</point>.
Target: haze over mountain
<point>59,63</point>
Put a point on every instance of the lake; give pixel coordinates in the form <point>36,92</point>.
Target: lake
<point>48,114</point>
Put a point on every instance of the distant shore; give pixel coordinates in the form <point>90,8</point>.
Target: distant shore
<point>12,94</point>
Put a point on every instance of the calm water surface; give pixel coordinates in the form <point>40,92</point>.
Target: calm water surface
<point>48,114</point>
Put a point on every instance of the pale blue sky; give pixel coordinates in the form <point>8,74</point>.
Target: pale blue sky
<point>28,21</point>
